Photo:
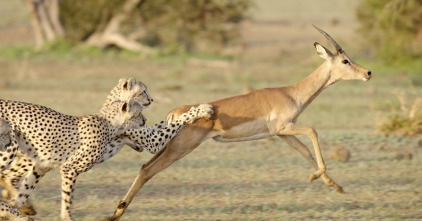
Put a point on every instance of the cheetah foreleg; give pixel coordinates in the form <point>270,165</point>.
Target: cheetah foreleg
<point>136,146</point>
<point>202,111</point>
<point>68,183</point>
<point>154,139</point>
<point>159,126</point>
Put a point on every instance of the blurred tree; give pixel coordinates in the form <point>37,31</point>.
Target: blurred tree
<point>45,19</point>
<point>394,27</point>
<point>140,25</point>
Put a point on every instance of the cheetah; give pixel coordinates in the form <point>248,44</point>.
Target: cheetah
<point>125,90</point>
<point>75,144</point>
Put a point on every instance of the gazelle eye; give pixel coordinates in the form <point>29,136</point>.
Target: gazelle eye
<point>345,61</point>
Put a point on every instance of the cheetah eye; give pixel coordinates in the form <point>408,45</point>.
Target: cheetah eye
<point>140,94</point>
<point>345,61</point>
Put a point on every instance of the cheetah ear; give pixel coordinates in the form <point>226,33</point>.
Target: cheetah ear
<point>129,83</point>
<point>125,107</point>
<point>125,85</point>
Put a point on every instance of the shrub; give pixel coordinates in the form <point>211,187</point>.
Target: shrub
<point>406,119</point>
<point>172,26</point>
<point>394,27</point>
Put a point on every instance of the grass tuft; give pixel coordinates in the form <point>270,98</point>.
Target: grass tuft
<point>406,118</point>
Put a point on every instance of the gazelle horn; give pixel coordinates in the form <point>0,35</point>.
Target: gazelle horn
<point>332,41</point>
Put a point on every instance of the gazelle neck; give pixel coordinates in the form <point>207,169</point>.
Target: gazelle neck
<point>305,91</point>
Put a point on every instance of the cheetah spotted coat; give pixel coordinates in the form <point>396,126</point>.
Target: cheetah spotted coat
<point>48,139</point>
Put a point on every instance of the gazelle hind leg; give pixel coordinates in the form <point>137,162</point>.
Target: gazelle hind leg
<point>175,150</point>
<point>146,173</point>
<point>296,144</point>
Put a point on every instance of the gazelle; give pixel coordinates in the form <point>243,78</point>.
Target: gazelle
<point>259,114</point>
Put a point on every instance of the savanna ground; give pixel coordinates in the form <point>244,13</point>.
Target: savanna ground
<point>255,180</point>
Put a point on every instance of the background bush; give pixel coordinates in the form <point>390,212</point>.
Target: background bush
<point>172,26</point>
<point>394,27</point>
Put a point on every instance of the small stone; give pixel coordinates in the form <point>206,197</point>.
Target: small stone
<point>339,153</point>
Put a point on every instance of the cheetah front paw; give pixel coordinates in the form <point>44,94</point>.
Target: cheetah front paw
<point>203,111</point>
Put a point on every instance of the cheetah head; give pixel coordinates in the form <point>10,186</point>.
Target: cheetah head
<point>137,90</point>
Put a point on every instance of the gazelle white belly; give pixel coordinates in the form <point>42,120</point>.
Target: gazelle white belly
<point>252,130</point>
<point>254,137</point>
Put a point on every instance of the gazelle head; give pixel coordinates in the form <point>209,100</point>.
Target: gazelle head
<point>341,66</point>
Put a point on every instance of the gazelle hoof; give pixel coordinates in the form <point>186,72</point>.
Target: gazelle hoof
<point>339,189</point>
<point>313,177</point>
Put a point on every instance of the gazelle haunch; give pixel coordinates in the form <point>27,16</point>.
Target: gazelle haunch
<point>259,114</point>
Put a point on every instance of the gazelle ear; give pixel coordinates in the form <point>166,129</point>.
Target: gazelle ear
<point>323,52</point>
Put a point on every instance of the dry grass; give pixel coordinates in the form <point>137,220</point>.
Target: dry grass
<point>404,119</point>
<point>256,180</point>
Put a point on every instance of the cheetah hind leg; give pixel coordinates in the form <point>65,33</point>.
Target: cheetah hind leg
<point>10,180</point>
<point>8,212</point>
<point>26,209</point>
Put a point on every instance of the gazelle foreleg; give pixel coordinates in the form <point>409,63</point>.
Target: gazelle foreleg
<point>296,144</point>
<point>292,129</point>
